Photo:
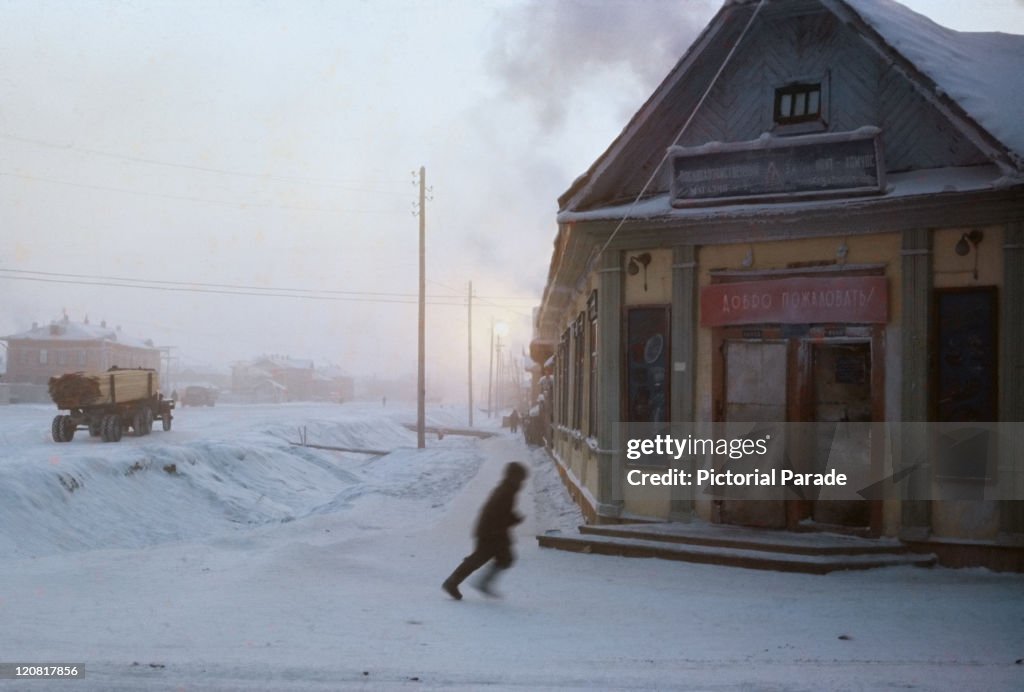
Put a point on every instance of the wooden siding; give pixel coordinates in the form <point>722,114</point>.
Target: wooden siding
<point>861,91</point>
<point>859,88</point>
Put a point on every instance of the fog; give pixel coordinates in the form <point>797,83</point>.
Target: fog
<point>235,178</point>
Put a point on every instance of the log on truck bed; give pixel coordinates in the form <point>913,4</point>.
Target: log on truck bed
<point>81,389</point>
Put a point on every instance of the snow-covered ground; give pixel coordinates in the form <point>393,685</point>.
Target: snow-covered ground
<point>219,556</point>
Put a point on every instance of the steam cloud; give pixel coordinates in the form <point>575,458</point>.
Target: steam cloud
<point>548,49</point>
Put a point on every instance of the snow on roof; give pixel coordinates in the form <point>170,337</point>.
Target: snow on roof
<point>982,71</point>
<point>331,372</point>
<point>910,184</point>
<point>285,362</point>
<point>65,330</point>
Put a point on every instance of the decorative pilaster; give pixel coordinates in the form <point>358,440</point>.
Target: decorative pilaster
<point>1011,371</point>
<point>916,284</point>
<point>609,389</point>
<point>684,355</point>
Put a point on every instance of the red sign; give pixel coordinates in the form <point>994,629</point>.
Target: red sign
<point>800,300</point>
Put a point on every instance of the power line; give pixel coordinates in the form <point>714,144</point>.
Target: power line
<point>187,198</point>
<point>205,169</point>
<point>489,303</point>
<point>656,171</point>
<point>240,287</point>
<point>183,289</point>
<point>123,280</point>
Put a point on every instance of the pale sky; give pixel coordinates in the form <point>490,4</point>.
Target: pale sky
<point>270,144</point>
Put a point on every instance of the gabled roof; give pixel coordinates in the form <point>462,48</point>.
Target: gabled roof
<point>976,79</point>
<point>65,330</point>
<point>983,72</point>
<point>284,362</point>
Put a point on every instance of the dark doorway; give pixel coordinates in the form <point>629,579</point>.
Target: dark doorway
<point>840,394</point>
<point>830,376</point>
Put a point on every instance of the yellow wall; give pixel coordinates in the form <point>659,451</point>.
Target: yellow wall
<point>870,249</point>
<point>659,279</point>
<point>571,449</point>
<point>978,521</point>
<point>952,271</point>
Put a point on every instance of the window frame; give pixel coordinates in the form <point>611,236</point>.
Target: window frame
<point>818,122</point>
<point>592,365</point>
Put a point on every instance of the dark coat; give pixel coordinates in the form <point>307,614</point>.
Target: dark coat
<point>498,515</point>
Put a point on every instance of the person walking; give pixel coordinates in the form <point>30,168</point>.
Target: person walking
<point>513,420</point>
<point>493,536</point>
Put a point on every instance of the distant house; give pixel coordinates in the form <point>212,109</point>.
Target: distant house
<point>294,375</point>
<point>42,352</point>
<point>331,384</point>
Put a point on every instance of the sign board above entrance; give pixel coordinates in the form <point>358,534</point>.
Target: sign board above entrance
<point>796,300</point>
<point>779,168</point>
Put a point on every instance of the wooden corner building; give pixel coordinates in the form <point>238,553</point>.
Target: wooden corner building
<point>817,216</point>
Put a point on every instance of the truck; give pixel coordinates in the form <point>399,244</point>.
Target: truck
<point>199,395</point>
<point>107,404</point>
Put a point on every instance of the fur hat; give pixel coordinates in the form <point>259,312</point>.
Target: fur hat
<point>516,471</point>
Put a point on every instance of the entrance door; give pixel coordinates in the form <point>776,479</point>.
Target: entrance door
<point>829,376</point>
<point>755,392</point>
<point>840,391</point>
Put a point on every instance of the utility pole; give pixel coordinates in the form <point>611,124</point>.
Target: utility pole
<point>469,302</point>
<point>421,387</point>
<point>490,370</point>
<point>499,379</point>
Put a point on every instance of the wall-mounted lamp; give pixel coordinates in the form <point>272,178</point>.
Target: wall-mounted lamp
<point>969,240</point>
<point>636,262</point>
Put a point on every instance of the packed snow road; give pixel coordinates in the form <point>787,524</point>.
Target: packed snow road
<point>258,565</point>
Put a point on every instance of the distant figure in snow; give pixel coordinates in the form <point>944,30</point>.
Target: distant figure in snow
<point>493,539</point>
<point>513,420</point>
<point>174,395</point>
<point>383,401</point>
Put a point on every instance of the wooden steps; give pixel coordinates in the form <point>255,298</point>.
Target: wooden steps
<point>733,546</point>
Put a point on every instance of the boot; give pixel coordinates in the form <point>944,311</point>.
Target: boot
<point>452,589</point>
<point>485,583</point>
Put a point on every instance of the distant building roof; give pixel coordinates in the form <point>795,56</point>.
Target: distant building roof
<point>285,362</point>
<point>331,372</point>
<point>66,330</point>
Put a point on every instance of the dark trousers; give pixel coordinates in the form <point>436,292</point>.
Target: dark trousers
<point>498,550</point>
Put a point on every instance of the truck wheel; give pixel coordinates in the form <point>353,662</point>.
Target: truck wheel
<point>167,421</point>
<point>67,428</point>
<point>142,421</point>
<point>56,429</point>
<point>111,431</point>
<point>116,429</point>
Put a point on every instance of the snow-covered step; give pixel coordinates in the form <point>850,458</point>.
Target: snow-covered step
<point>731,557</point>
<point>717,535</point>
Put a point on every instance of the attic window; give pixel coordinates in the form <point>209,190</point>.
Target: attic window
<point>798,103</point>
